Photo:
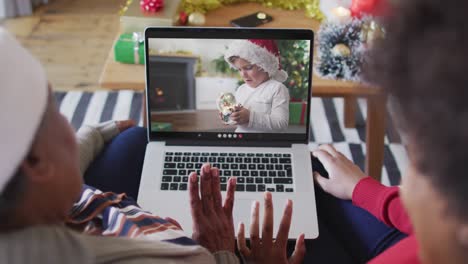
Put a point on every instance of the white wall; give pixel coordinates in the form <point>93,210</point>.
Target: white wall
<point>208,89</point>
<point>207,49</point>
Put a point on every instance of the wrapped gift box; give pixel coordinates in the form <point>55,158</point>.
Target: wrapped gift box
<point>158,126</point>
<point>297,113</point>
<point>135,20</point>
<point>130,48</point>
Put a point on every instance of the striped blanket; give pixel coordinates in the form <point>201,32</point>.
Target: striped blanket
<point>327,124</point>
<point>110,214</point>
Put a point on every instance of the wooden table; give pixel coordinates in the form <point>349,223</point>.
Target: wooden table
<point>196,121</point>
<point>125,76</point>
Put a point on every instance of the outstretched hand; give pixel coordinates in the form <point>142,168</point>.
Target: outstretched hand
<point>213,225</point>
<point>266,249</point>
<point>343,174</point>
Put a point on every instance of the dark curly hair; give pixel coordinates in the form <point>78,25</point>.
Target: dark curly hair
<point>423,66</point>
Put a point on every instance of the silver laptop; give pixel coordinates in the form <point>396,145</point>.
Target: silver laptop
<point>195,81</point>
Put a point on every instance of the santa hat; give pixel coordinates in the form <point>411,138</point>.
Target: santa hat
<point>261,52</point>
<point>23,99</point>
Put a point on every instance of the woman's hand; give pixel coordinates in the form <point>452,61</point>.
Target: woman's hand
<point>266,249</point>
<point>213,225</point>
<point>123,125</point>
<point>343,174</point>
<point>241,115</point>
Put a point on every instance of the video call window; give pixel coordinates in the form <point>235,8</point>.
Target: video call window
<point>242,86</point>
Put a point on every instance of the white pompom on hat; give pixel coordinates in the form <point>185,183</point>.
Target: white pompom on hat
<point>261,52</point>
<point>23,100</point>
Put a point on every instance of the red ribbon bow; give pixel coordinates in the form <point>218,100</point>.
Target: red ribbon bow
<point>151,5</point>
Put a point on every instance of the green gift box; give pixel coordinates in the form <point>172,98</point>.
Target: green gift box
<point>130,48</point>
<point>158,126</point>
<point>297,113</point>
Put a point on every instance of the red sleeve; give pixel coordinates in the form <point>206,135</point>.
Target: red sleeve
<point>383,202</point>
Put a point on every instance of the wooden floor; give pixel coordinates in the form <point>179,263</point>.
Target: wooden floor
<point>71,38</point>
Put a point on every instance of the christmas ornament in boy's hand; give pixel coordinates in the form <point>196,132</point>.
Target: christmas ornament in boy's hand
<point>227,105</point>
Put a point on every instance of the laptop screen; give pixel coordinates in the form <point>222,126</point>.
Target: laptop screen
<point>229,84</point>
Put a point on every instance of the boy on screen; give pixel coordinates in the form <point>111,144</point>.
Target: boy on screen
<point>264,99</point>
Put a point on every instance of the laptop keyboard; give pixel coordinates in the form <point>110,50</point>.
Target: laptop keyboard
<point>255,172</point>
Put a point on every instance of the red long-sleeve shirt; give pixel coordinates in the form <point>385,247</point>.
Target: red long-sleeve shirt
<point>385,204</point>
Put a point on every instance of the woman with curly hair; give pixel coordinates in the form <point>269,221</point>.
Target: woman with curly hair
<point>421,65</point>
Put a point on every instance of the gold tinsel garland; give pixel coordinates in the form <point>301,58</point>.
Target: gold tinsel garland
<point>311,7</point>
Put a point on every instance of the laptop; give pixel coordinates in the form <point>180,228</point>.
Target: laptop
<point>189,86</point>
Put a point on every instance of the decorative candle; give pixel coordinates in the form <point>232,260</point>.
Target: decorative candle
<point>340,15</point>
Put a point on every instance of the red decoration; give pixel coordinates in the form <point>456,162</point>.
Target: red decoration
<point>369,7</point>
<point>183,18</point>
<point>152,6</point>
<point>303,112</point>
